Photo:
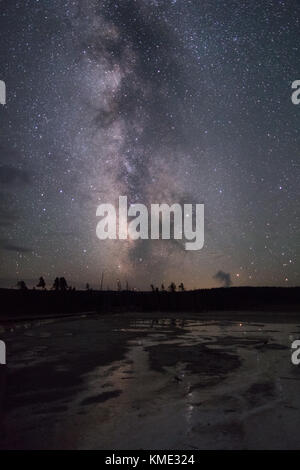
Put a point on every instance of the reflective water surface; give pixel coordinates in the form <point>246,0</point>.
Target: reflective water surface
<point>134,381</point>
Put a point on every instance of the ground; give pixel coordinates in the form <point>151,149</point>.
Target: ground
<point>151,381</point>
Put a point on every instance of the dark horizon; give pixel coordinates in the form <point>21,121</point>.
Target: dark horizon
<point>81,286</point>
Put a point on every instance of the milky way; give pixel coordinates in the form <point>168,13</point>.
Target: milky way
<point>161,101</point>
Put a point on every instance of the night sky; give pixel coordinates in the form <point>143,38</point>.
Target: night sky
<point>169,101</point>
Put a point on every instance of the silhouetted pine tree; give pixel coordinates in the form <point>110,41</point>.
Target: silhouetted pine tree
<point>41,283</point>
<point>172,287</point>
<point>21,285</point>
<point>56,284</point>
<point>63,285</point>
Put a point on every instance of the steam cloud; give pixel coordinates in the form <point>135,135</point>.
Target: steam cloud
<point>224,278</point>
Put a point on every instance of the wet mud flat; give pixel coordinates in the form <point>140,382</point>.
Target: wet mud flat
<point>141,381</point>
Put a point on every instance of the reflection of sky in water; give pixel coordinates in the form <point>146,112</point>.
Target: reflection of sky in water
<point>139,383</point>
<point>168,403</point>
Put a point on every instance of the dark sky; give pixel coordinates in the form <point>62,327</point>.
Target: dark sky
<point>162,101</point>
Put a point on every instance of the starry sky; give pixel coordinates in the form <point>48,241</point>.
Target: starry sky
<point>169,101</point>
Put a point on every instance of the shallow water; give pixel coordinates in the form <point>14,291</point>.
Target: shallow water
<point>129,382</point>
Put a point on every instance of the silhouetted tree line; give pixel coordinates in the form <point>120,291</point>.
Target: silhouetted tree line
<point>172,287</point>
<point>59,283</point>
<point>61,299</point>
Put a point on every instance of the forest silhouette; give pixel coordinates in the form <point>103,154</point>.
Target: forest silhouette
<point>62,298</point>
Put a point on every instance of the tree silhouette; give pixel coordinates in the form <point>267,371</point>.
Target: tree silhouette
<point>56,284</point>
<point>41,283</point>
<point>163,287</point>
<point>152,287</point>
<point>87,286</point>
<point>63,285</point>
<point>21,285</point>
<point>60,283</point>
<point>172,287</point>
<point>181,287</point>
